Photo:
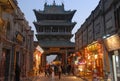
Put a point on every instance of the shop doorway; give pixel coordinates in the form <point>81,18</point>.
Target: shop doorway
<point>7,63</point>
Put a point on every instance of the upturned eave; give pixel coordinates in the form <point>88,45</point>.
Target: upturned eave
<point>66,15</point>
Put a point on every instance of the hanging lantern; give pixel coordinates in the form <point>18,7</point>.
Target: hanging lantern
<point>1,19</point>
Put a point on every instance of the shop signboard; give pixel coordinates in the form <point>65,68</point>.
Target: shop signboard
<point>112,43</point>
<point>54,49</point>
<point>39,48</point>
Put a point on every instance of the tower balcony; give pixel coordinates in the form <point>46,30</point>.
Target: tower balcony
<point>54,33</point>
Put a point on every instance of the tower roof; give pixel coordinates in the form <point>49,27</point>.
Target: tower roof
<point>54,23</point>
<point>56,44</point>
<point>53,8</point>
<point>53,12</point>
<point>50,14</point>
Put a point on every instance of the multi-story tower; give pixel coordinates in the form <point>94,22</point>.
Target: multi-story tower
<point>54,26</point>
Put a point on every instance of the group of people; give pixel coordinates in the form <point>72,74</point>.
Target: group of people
<point>50,71</point>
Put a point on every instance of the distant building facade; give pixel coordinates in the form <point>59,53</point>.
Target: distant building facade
<point>91,39</point>
<point>16,41</point>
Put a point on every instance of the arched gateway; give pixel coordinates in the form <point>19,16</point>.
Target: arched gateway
<point>54,26</point>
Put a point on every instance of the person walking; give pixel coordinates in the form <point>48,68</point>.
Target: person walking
<point>52,72</point>
<point>95,75</point>
<point>46,71</point>
<point>59,71</point>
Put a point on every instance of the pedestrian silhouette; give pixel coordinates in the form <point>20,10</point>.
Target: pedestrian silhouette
<point>17,73</point>
<point>59,71</point>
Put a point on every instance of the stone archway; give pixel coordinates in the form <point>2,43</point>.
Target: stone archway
<point>64,53</point>
<point>59,56</point>
<point>59,59</point>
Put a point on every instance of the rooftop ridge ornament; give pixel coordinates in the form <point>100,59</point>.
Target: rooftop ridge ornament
<point>54,2</point>
<point>62,1</point>
<point>45,1</point>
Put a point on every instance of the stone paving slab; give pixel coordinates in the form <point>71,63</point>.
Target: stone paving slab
<point>55,78</point>
<point>63,78</point>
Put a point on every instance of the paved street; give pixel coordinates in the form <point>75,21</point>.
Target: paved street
<point>63,78</point>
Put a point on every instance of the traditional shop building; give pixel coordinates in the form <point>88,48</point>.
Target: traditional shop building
<point>54,26</point>
<point>16,41</point>
<point>37,59</point>
<point>97,40</point>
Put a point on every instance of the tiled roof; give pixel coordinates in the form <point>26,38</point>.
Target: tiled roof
<point>56,44</point>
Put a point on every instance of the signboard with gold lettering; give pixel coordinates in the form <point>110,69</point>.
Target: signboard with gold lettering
<point>54,49</point>
<point>112,42</point>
